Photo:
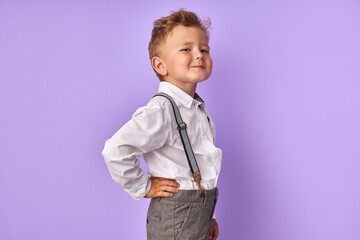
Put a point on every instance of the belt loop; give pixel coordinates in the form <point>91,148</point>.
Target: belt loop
<point>204,196</point>
<point>216,195</point>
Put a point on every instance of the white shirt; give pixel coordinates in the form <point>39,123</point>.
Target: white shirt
<point>152,133</point>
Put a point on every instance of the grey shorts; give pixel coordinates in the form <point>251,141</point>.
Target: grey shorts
<point>184,216</point>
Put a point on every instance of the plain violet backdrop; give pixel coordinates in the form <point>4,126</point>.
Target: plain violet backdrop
<point>284,95</point>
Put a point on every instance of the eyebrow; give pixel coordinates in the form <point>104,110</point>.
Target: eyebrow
<point>205,44</point>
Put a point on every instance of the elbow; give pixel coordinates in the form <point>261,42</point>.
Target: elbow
<point>106,152</point>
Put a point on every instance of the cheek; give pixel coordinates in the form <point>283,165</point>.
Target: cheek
<point>209,62</point>
<point>179,65</point>
<point>184,60</point>
<point>188,58</point>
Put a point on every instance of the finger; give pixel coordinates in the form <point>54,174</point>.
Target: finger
<point>169,182</point>
<point>169,189</point>
<point>164,194</point>
<point>166,181</point>
<point>216,230</point>
<point>211,232</point>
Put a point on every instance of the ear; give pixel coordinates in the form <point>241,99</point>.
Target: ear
<point>159,65</point>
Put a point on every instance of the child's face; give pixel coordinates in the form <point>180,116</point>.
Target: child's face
<point>186,56</point>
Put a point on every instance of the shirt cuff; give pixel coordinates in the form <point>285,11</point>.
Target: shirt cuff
<point>140,187</point>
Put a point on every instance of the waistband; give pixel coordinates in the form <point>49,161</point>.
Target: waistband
<point>192,196</point>
<point>190,184</point>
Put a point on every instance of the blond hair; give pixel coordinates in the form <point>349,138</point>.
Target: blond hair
<point>164,26</point>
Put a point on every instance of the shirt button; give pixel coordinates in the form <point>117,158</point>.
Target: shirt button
<point>203,132</point>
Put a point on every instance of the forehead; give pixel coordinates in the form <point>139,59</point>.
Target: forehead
<point>181,35</point>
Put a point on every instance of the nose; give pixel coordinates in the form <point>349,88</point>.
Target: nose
<point>198,55</point>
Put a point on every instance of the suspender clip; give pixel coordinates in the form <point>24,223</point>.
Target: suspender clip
<point>197,178</point>
<point>181,126</point>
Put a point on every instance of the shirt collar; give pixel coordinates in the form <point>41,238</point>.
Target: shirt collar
<point>179,96</point>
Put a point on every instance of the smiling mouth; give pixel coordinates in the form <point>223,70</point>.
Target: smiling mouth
<point>199,66</point>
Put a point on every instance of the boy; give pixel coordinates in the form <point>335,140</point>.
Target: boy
<point>179,54</point>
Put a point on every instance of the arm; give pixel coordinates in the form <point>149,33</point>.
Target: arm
<point>214,230</point>
<point>147,130</point>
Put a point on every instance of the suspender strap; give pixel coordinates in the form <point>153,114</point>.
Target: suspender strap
<point>181,126</point>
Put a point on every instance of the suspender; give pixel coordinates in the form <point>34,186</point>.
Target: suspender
<point>181,126</point>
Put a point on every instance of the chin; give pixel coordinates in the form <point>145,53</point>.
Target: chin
<point>199,79</point>
<point>203,79</point>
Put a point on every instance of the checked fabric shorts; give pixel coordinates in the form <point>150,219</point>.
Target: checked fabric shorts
<point>185,216</point>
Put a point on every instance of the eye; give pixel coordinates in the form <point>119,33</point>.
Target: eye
<point>204,50</point>
<point>185,49</point>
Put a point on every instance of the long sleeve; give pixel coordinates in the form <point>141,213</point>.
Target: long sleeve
<point>147,130</point>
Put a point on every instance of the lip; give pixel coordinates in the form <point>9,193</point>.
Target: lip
<point>198,66</point>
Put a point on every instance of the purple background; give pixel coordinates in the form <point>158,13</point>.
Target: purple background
<point>284,95</point>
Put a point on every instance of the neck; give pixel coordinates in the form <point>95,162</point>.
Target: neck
<point>189,88</point>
